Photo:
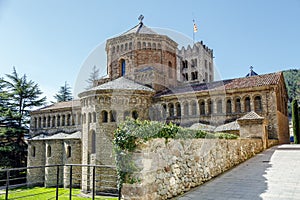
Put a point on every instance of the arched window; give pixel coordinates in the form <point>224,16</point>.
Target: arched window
<point>89,118</point>
<point>149,45</point>
<point>94,117</point>
<point>53,121</point>
<point>104,116</point>
<point>35,123</point>
<point>79,119</point>
<point>58,120</point>
<point>93,142</point>
<point>178,109</point>
<point>123,67</point>
<point>130,45</point>
<point>33,151</point>
<point>113,115</point>
<point>186,109</point>
<point>171,110</point>
<point>48,121</point>
<point>257,104</point>
<point>210,107</point>
<point>63,118</point>
<point>135,114</point>
<point>164,110</point>
<point>170,69</point>
<point>69,153</point>
<point>73,119</point>
<point>49,151</point>
<point>154,46</point>
<point>126,46</point>
<point>139,45</point>
<point>247,104</point>
<point>44,122</point>
<point>219,106</point>
<point>206,77</point>
<point>40,122</point>
<point>68,119</point>
<point>238,105</point>
<point>228,106</point>
<point>202,108</point>
<point>144,45</point>
<point>194,108</point>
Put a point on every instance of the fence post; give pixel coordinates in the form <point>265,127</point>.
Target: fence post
<point>7,184</point>
<point>57,181</point>
<point>94,182</point>
<point>119,194</point>
<point>71,182</point>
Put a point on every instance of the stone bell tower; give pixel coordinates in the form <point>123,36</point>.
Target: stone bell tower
<point>144,56</point>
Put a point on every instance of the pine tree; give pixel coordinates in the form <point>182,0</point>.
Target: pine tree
<point>23,96</point>
<point>18,96</point>
<point>295,120</point>
<point>94,75</point>
<point>64,93</point>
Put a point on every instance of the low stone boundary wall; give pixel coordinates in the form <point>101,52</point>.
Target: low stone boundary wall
<point>170,169</point>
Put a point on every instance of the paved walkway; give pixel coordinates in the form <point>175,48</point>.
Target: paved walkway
<point>271,175</point>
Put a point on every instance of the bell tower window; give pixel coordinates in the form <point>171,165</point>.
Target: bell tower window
<point>123,67</point>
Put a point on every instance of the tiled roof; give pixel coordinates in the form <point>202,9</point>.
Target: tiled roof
<point>204,127</point>
<point>122,84</point>
<point>140,28</point>
<point>59,105</point>
<point>232,126</point>
<point>251,115</point>
<point>245,82</point>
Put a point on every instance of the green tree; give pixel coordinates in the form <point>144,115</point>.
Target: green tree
<point>94,75</point>
<point>18,96</point>
<point>23,95</point>
<point>292,82</point>
<point>295,120</point>
<point>64,93</point>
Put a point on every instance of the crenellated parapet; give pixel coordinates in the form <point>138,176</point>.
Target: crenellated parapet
<point>195,64</point>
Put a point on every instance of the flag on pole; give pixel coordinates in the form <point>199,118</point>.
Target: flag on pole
<point>195,27</point>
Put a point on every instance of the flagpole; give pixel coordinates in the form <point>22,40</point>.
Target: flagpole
<point>193,32</point>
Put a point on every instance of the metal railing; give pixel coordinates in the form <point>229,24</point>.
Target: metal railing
<point>92,180</point>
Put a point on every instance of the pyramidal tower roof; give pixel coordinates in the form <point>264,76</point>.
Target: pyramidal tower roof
<point>140,28</point>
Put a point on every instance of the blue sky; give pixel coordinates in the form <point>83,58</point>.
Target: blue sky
<point>49,40</point>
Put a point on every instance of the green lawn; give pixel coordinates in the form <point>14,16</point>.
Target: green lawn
<point>41,193</point>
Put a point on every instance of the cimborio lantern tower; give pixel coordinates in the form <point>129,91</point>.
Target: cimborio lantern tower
<point>142,55</point>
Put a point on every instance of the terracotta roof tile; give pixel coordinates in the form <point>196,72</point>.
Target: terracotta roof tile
<point>251,115</point>
<point>245,82</point>
<point>59,105</point>
<point>232,126</point>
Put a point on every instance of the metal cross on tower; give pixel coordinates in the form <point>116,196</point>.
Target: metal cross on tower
<point>141,17</point>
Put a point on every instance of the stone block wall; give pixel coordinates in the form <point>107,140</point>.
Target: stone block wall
<point>72,155</point>
<point>36,157</point>
<point>283,128</point>
<point>168,170</point>
<point>54,156</point>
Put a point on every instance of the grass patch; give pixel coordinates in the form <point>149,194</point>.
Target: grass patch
<point>41,193</point>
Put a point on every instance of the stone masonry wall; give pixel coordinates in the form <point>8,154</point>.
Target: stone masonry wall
<point>168,170</point>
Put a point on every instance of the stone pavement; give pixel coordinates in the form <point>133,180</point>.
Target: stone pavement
<point>271,175</point>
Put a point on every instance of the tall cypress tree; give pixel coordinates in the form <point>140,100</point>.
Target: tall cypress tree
<point>295,120</point>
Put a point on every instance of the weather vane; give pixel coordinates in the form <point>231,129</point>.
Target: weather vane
<point>141,17</point>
